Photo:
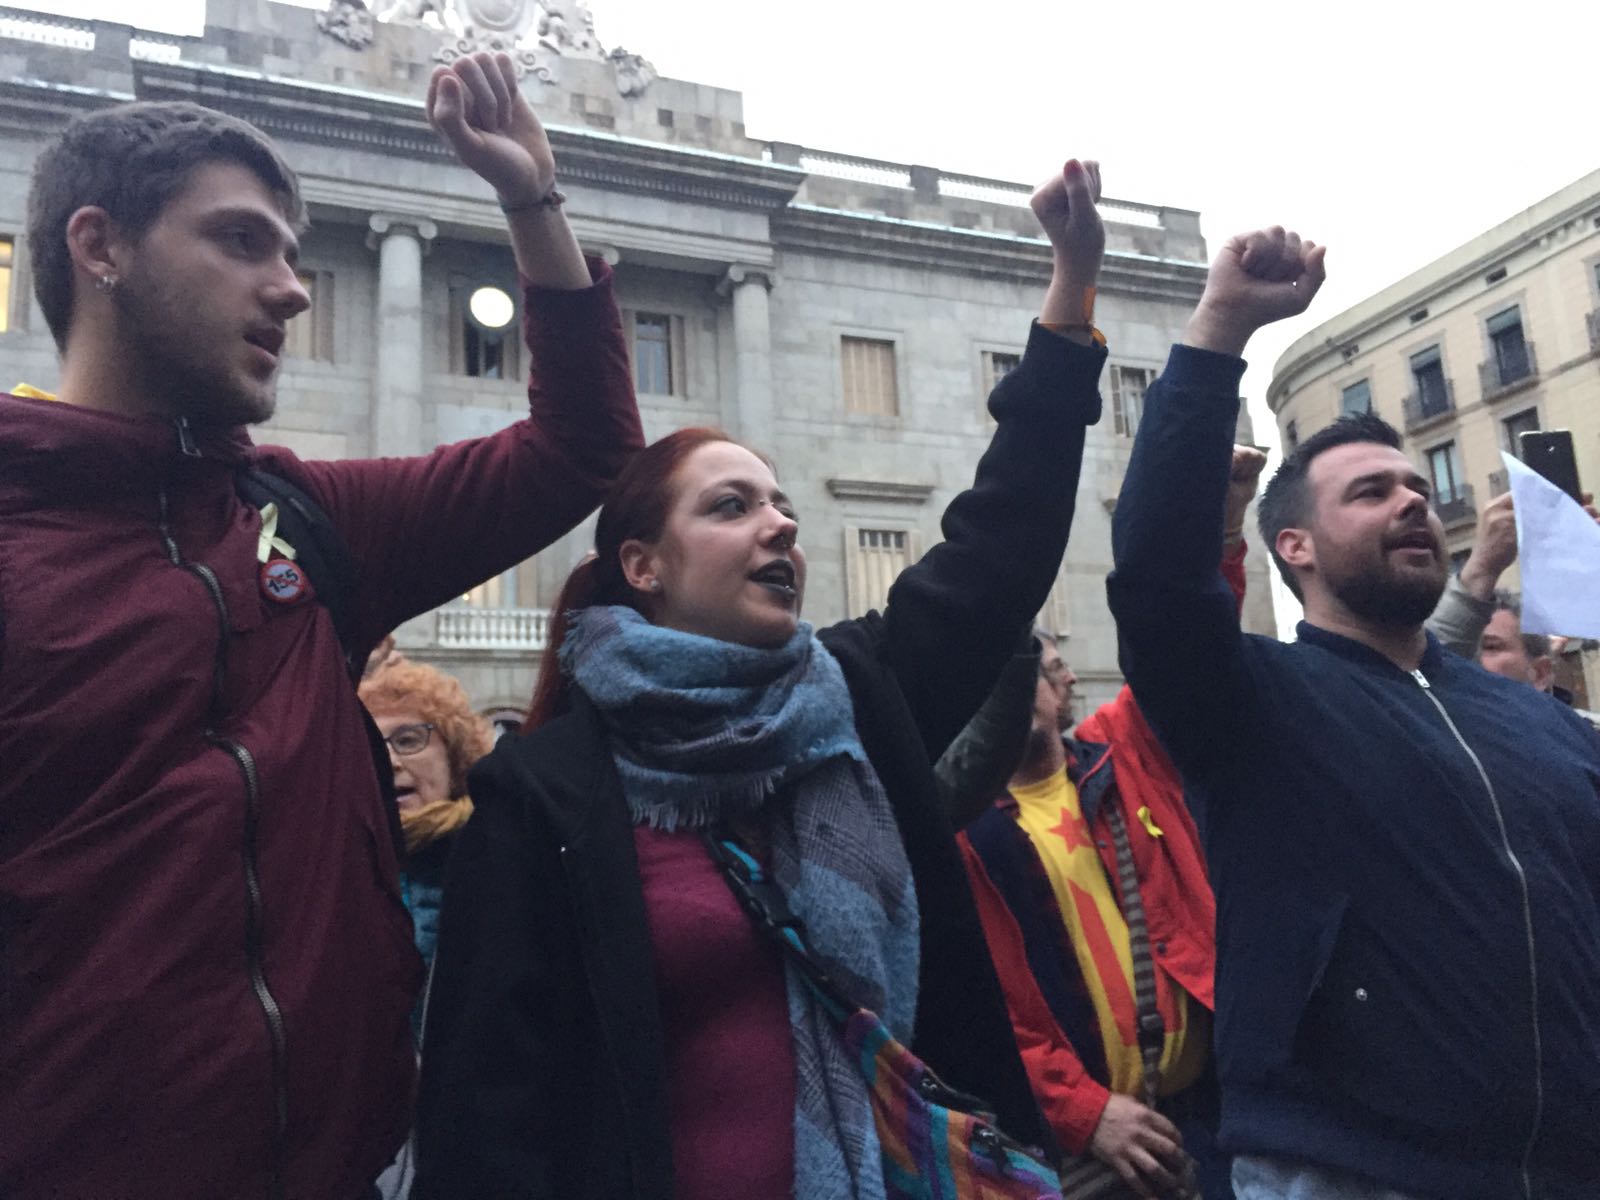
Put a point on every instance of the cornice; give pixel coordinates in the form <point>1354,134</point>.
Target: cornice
<point>34,109</point>
<point>390,125</point>
<point>880,489</point>
<point>976,252</point>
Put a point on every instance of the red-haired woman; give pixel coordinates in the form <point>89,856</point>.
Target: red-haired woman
<point>605,1020</point>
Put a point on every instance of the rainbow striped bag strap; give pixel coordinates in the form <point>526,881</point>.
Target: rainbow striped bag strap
<point>938,1143</point>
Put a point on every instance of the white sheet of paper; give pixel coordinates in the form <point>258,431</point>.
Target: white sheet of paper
<point>1558,545</point>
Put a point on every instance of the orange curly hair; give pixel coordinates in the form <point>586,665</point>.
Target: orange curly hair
<point>440,700</point>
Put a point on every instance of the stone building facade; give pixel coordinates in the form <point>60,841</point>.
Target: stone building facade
<point>848,315</point>
<point>1499,336</point>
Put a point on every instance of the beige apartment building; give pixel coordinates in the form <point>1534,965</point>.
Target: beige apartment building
<point>1499,336</point>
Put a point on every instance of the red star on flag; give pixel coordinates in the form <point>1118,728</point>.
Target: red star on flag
<point>1071,831</point>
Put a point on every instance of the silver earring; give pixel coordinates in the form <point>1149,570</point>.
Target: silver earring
<point>655,585</point>
<point>106,284</point>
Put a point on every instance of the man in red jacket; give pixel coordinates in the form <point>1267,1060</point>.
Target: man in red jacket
<point>205,966</point>
<point>1045,871</point>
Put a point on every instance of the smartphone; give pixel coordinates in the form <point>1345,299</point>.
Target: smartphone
<point>1549,452</point>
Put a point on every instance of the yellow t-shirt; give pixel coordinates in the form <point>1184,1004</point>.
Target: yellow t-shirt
<point>1049,814</point>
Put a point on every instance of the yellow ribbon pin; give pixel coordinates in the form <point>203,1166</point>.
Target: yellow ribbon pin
<point>269,539</point>
<point>1148,822</point>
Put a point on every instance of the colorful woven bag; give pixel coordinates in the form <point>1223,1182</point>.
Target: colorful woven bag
<point>938,1143</point>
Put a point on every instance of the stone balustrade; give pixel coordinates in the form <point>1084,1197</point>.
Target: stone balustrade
<point>465,627</point>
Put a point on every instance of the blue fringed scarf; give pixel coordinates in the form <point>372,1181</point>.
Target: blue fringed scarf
<point>705,732</point>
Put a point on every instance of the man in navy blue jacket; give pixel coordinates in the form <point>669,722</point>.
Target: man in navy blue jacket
<point>1405,848</point>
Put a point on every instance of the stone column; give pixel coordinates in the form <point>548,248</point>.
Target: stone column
<point>752,345</point>
<point>400,241</point>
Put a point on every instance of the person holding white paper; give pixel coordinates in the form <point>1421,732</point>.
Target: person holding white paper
<point>1472,598</point>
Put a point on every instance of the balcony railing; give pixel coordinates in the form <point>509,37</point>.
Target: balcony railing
<point>1457,508</point>
<point>1502,374</point>
<point>1499,483</point>
<point>1419,409</point>
<point>464,627</point>
<point>1592,320</point>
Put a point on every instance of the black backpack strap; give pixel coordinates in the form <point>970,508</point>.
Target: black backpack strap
<point>320,551</point>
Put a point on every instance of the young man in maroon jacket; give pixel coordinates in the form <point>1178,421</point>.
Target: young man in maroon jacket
<point>205,966</point>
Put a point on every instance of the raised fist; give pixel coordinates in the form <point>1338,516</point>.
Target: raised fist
<point>1257,278</point>
<point>1243,477</point>
<point>476,106</point>
<point>1065,207</point>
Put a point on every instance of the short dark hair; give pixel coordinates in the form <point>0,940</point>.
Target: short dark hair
<point>132,160</point>
<point>1286,500</point>
<point>1534,645</point>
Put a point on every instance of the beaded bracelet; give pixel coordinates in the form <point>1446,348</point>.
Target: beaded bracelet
<point>554,198</point>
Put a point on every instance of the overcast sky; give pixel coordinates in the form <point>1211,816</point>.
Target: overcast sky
<point>1392,131</point>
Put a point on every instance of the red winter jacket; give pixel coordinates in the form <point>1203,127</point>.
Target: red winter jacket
<point>1180,909</point>
<point>206,970</point>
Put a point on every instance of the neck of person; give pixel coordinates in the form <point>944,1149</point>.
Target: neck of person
<point>1403,645</point>
<point>99,371</point>
<point>1045,756</point>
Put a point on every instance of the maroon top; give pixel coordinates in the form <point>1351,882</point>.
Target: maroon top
<point>207,971</point>
<point>724,1011</point>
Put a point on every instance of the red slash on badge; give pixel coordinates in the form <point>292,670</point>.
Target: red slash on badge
<point>283,581</point>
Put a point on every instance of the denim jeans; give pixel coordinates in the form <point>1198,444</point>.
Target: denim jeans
<point>1258,1177</point>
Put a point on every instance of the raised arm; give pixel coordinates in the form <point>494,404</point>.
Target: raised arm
<point>1177,619</point>
<point>423,530</point>
<point>954,617</point>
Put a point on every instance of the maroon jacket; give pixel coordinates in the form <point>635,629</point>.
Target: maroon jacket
<point>206,971</point>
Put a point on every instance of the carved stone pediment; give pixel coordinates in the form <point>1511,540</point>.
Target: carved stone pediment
<point>537,34</point>
<point>348,21</point>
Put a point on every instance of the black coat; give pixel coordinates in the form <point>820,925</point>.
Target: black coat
<point>544,1067</point>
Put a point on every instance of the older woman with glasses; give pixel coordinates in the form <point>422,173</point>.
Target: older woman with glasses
<point>433,736</point>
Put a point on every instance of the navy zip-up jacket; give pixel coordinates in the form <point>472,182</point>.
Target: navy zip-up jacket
<point>1407,864</point>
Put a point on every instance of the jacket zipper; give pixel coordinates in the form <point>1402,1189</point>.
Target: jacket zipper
<point>1527,919</point>
<point>594,994</point>
<point>271,1011</point>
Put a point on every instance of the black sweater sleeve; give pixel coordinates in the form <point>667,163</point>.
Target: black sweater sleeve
<point>494,1004</point>
<point>954,617</point>
<point>1178,631</point>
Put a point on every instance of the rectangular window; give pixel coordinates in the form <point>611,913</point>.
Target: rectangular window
<point>997,364</point>
<point>309,336</point>
<point>1510,348</point>
<point>1526,421</point>
<point>1433,394</point>
<point>868,368</point>
<point>8,249</point>
<point>1357,398</point>
<point>1444,469</point>
<point>874,559</point>
<point>1128,386</point>
<point>1291,436</point>
<point>652,354</point>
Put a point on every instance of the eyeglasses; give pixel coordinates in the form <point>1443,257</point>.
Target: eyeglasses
<point>409,739</point>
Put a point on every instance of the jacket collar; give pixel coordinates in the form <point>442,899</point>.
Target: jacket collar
<point>1364,655</point>
<point>1089,768</point>
<point>52,448</point>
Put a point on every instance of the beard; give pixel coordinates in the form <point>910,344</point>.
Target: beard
<point>1387,598</point>
<point>168,343</point>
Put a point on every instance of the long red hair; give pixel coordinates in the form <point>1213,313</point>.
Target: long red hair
<point>636,507</point>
